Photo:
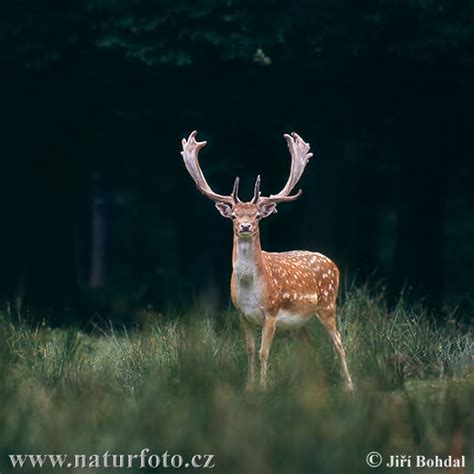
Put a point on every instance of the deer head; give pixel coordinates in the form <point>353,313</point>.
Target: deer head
<point>247,215</point>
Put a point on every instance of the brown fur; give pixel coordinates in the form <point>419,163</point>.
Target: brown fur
<point>300,283</point>
<point>274,290</point>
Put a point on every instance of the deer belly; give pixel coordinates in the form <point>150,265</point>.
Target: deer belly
<point>290,321</point>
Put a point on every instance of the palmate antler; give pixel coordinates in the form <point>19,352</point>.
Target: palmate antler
<point>299,151</point>
<point>300,156</point>
<point>190,156</point>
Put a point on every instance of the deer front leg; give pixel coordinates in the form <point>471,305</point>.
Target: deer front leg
<point>305,336</point>
<point>268,332</point>
<point>250,344</point>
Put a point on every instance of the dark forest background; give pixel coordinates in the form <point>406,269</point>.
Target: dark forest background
<point>98,212</point>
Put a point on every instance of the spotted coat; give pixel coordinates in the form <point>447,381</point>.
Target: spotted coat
<point>289,286</point>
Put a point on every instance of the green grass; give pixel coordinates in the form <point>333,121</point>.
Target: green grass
<point>177,386</point>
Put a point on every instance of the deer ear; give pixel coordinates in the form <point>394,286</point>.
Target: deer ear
<point>224,209</point>
<point>267,209</point>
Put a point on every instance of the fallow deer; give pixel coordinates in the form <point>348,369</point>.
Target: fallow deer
<point>272,290</point>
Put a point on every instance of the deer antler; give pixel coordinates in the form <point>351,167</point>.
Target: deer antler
<point>191,160</point>
<point>300,156</point>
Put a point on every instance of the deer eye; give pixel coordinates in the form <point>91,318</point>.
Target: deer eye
<point>233,216</point>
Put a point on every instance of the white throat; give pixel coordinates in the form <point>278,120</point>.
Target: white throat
<point>245,266</point>
<point>248,285</point>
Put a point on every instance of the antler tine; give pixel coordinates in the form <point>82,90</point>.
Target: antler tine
<point>190,155</point>
<point>299,151</point>
<point>256,192</point>
<point>235,190</point>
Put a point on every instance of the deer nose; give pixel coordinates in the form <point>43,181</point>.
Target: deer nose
<point>245,227</point>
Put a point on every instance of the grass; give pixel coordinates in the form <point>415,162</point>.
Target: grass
<point>176,386</point>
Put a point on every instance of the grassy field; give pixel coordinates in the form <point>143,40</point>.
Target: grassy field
<point>176,385</point>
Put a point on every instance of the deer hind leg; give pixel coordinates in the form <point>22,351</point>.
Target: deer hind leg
<point>268,332</point>
<point>250,344</point>
<point>328,317</point>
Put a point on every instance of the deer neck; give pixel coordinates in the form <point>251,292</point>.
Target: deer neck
<point>247,260</point>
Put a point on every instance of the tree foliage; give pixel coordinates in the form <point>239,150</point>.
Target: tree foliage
<point>186,33</point>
